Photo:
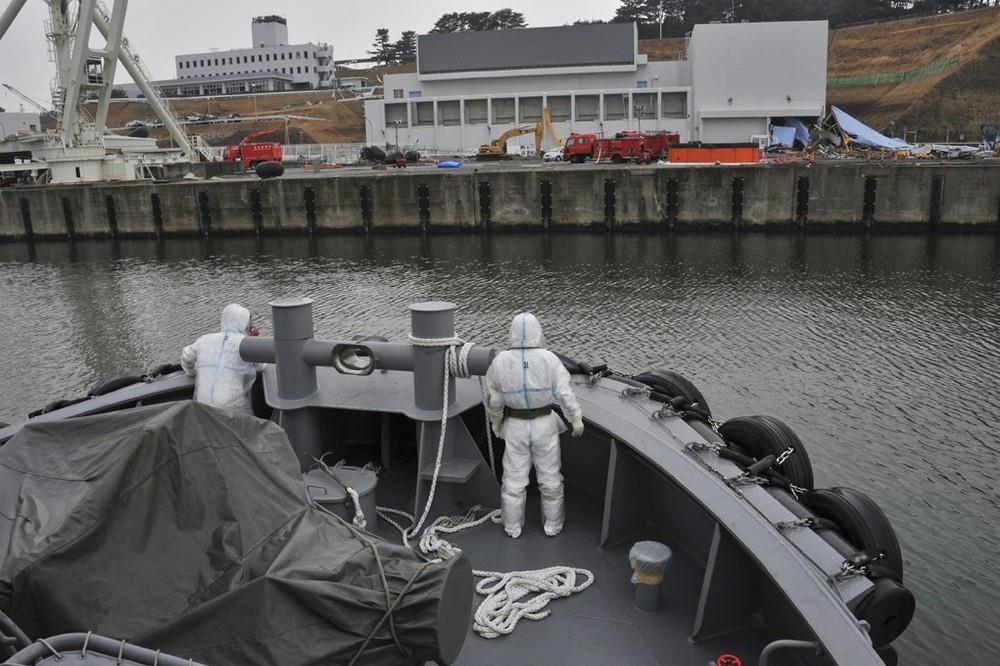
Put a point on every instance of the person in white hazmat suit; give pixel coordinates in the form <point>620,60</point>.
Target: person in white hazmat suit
<point>223,379</point>
<point>524,382</point>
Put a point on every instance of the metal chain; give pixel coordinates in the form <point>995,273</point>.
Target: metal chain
<point>704,447</point>
<point>791,524</point>
<point>785,455</point>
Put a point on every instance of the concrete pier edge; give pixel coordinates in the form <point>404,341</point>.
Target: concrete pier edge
<point>806,196</point>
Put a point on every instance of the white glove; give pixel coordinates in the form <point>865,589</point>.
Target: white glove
<point>577,427</point>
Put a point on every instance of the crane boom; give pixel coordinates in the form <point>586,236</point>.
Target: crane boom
<point>41,109</point>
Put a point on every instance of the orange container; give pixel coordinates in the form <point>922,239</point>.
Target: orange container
<point>711,154</point>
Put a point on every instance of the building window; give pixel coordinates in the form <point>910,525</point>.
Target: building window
<point>642,84</point>
<point>644,105</point>
<point>614,106</point>
<point>503,110</point>
<point>560,107</point>
<point>216,62</point>
<point>267,57</point>
<point>307,69</point>
<point>299,70</point>
<point>416,93</point>
<point>253,58</point>
<point>674,105</point>
<point>282,56</point>
<point>395,113</point>
<point>530,109</point>
<point>449,113</point>
<point>475,112</point>
<point>202,63</point>
<point>587,107</point>
<point>423,113</point>
<point>397,93</point>
<point>213,89</point>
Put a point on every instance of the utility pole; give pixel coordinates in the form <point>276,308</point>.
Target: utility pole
<point>396,125</point>
<point>660,15</point>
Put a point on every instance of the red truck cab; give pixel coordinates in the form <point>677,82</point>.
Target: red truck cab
<point>250,154</point>
<point>626,146</point>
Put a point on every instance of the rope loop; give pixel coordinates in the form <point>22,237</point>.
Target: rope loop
<point>509,596</point>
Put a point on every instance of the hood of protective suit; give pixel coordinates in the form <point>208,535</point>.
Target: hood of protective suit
<point>235,319</point>
<point>525,332</point>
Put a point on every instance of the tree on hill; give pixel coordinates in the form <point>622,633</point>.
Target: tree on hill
<point>382,48</point>
<point>502,19</point>
<point>405,50</point>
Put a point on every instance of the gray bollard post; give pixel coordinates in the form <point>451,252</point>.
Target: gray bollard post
<point>293,327</point>
<point>648,560</point>
<point>434,319</point>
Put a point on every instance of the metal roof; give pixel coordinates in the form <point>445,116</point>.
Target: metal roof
<point>527,48</point>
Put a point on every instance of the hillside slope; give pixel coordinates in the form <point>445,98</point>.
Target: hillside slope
<point>927,73</point>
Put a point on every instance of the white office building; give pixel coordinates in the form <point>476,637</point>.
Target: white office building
<point>270,64</point>
<point>470,87</point>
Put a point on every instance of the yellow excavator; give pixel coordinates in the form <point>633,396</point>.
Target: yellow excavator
<point>497,149</point>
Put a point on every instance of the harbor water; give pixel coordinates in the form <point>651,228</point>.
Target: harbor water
<point>881,351</point>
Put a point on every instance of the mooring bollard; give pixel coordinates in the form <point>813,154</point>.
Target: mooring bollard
<point>434,320</point>
<point>296,379</point>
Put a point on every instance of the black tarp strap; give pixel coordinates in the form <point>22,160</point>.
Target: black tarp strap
<point>390,604</point>
<point>388,611</point>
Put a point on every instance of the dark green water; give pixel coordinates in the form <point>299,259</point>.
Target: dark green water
<point>882,352</point>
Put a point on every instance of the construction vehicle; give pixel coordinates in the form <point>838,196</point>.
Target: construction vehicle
<point>251,154</point>
<point>628,146</point>
<point>497,149</point>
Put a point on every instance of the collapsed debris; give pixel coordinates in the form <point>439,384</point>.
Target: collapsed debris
<point>841,136</point>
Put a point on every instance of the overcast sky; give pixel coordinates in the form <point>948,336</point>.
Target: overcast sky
<point>161,29</point>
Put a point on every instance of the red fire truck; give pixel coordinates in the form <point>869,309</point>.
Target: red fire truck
<point>628,146</point>
<point>251,154</point>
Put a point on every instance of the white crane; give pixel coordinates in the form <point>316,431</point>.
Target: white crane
<point>84,71</point>
<point>24,96</point>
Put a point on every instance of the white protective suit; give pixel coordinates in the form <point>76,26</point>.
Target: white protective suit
<point>223,378</point>
<point>528,376</point>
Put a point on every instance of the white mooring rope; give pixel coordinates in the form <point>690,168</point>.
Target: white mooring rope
<point>508,595</point>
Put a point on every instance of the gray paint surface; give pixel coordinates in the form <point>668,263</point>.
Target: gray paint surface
<point>528,48</point>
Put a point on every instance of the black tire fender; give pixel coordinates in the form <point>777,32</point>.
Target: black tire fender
<point>114,384</point>
<point>862,522</point>
<point>761,436</point>
<point>888,609</point>
<point>269,170</point>
<point>674,384</point>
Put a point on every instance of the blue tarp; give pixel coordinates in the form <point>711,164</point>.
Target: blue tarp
<point>864,135</point>
<point>449,164</point>
<point>782,136</point>
<point>801,131</point>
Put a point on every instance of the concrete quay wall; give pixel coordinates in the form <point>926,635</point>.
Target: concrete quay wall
<point>489,198</point>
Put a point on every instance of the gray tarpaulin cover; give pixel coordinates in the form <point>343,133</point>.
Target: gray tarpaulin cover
<point>187,529</point>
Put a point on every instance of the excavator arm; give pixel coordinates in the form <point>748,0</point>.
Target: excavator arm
<point>253,136</point>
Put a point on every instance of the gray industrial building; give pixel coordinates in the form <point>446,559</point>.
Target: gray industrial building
<point>734,78</point>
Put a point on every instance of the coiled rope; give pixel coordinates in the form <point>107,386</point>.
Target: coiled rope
<point>510,596</point>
